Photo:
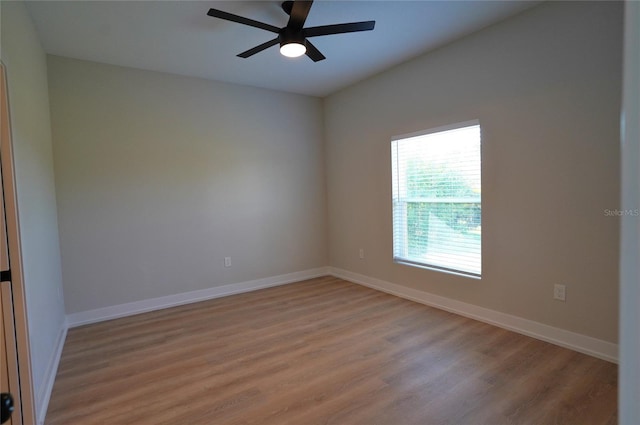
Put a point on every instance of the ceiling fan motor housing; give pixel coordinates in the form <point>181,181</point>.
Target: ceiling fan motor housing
<point>288,35</point>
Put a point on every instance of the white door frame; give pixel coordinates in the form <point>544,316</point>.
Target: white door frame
<point>629,369</point>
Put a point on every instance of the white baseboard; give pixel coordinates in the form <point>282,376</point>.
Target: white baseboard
<point>136,307</point>
<point>574,341</point>
<point>44,392</point>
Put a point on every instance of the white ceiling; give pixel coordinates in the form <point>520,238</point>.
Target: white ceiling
<point>178,37</point>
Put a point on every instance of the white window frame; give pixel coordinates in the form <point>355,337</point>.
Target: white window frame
<point>400,201</point>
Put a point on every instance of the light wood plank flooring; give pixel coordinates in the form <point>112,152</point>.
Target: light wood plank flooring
<point>322,351</point>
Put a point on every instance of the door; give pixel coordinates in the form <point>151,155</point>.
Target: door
<point>9,380</point>
<point>15,361</point>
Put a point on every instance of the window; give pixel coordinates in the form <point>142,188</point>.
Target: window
<point>437,205</point>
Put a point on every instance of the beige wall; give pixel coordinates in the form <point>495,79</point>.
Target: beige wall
<point>29,103</point>
<point>160,177</point>
<point>546,89</point>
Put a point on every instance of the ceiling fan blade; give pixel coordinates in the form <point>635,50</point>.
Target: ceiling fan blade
<point>299,13</point>
<point>242,20</point>
<point>259,48</point>
<point>313,52</point>
<point>338,28</point>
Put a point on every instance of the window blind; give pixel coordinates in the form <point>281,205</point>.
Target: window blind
<point>437,206</point>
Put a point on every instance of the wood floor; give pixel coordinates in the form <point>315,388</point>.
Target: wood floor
<point>322,351</point>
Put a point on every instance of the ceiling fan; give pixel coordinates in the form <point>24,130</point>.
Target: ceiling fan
<point>293,37</point>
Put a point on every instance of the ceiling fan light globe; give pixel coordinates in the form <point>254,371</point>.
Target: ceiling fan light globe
<point>293,50</point>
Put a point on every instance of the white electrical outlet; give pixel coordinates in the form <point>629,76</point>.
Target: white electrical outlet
<point>361,253</point>
<point>227,261</point>
<point>560,292</point>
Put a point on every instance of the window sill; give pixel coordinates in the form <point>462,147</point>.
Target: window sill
<point>437,269</point>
